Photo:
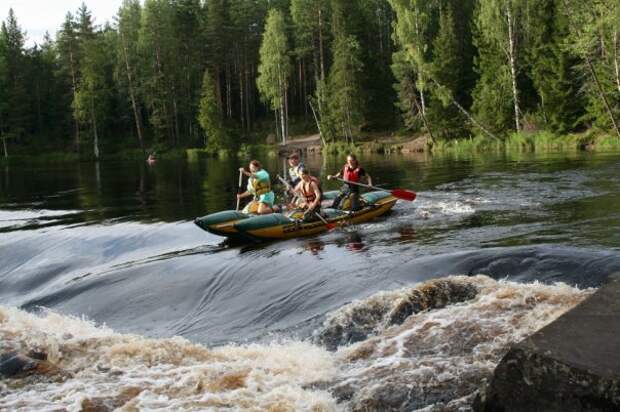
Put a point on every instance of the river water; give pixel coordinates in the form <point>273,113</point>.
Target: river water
<point>102,268</point>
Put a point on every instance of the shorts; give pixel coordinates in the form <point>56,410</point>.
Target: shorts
<point>267,198</point>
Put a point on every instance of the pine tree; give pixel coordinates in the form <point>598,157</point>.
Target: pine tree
<point>93,98</point>
<point>551,67</point>
<point>156,39</point>
<point>17,114</point>
<point>68,48</point>
<point>346,104</point>
<point>275,67</point>
<point>210,116</point>
<point>446,68</point>
<point>128,19</point>
<point>4,81</point>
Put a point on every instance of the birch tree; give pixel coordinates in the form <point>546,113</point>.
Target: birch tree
<point>275,67</point>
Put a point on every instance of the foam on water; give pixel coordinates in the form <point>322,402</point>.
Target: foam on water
<point>434,356</point>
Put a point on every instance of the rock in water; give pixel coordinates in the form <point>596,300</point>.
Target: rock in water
<point>359,320</point>
<point>572,364</point>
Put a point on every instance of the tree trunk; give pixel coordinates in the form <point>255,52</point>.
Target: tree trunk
<point>132,96</point>
<point>321,53</point>
<point>282,118</point>
<point>467,114</point>
<point>286,108</point>
<point>427,125</point>
<point>175,113</point>
<point>305,91</point>
<point>602,95</point>
<point>228,92</point>
<point>74,83</point>
<point>218,87</point>
<point>513,69</point>
<point>95,134</point>
<point>318,125</point>
<point>248,120</point>
<point>275,112</point>
<point>241,102</point>
<point>6,152</point>
<point>423,102</point>
<point>616,60</point>
<point>160,87</point>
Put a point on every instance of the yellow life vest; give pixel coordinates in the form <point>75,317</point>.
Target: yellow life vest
<point>260,187</point>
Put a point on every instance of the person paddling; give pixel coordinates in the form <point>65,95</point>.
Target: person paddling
<point>259,186</point>
<point>351,172</point>
<point>310,191</point>
<point>295,169</point>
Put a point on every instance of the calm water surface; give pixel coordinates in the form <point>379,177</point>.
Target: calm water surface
<point>115,243</point>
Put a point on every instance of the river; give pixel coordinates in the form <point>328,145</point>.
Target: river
<point>102,267</point>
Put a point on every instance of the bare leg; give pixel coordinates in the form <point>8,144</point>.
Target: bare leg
<point>264,209</point>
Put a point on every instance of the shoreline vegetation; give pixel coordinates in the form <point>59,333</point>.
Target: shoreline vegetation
<point>523,142</point>
<point>192,78</point>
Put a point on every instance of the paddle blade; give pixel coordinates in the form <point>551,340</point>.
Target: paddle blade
<point>330,226</point>
<point>404,194</point>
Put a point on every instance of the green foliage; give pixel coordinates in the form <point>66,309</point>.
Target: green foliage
<point>210,116</point>
<point>275,65</point>
<point>345,97</point>
<point>143,77</point>
<point>446,68</point>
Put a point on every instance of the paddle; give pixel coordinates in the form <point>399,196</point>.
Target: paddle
<point>399,193</point>
<point>239,191</point>
<point>330,226</point>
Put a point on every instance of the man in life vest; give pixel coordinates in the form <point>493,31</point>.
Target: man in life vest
<point>351,172</point>
<point>294,169</point>
<point>310,192</point>
<point>259,186</point>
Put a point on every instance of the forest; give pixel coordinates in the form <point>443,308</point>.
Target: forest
<point>214,74</point>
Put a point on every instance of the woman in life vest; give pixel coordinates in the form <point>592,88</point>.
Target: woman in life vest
<point>259,186</point>
<point>310,191</point>
<point>351,172</point>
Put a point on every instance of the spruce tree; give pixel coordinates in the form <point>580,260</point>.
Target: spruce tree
<point>92,101</point>
<point>4,81</point>
<point>210,116</point>
<point>17,113</point>
<point>551,67</point>
<point>447,69</point>
<point>128,59</point>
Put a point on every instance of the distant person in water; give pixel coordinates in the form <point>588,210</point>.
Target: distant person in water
<point>351,172</point>
<point>259,186</point>
<point>310,192</point>
<point>151,159</point>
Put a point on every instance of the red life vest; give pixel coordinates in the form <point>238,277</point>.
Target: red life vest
<point>351,175</point>
<point>310,196</point>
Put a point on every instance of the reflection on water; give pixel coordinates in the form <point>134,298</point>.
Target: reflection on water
<point>115,243</point>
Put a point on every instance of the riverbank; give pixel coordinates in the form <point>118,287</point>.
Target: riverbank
<point>378,143</point>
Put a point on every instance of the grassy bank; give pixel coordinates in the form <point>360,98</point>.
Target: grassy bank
<point>529,142</point>
<point>381,144</point>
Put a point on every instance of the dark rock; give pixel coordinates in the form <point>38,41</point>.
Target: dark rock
<point>18,365</point>
<point>14,364</point>
<point>572,364</point>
